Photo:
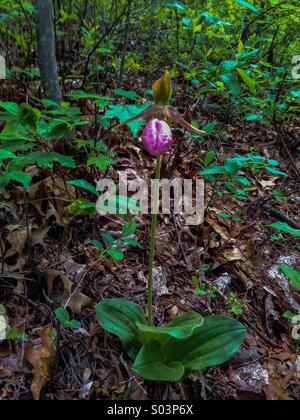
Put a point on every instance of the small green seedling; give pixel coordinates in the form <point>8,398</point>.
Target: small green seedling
<point>201,288</point>
<point>236,305</point>
<point>63,317</point>
<point>113,245</point>
<point>279,195</point>
<point>15,335</point>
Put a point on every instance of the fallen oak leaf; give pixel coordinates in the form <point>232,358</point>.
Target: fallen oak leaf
<point>17,237</point>
<point>233,254</point>
<point>77,302</point>
<point>10,364</point>
<point>73,299</point>
<point>220,230</point>
<point>41,359</point>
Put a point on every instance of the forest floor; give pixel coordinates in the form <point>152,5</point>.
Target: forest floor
<point>46,256</point>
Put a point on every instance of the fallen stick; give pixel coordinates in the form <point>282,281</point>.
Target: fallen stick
<point>280,216</point>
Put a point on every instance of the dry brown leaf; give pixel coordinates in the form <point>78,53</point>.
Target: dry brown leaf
<point>41,359</point>
<point>17,237</point>
<point>77,301</point>
<point>223,232</point>
<point>39,236</point>
<point>276,389</point>
<point>63,192</point>
<point>233,254</point>
<point>269,183</point>
<point>9,365</point>
<point>51,276</point>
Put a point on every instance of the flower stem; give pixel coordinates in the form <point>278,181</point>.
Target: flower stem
<point>155,209</point>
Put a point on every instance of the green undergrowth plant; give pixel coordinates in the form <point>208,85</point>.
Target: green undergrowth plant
<point>294,278</point>
<point>14,334</point>
<point>235,172</point>
<point>189,342</point>
<point>28,138</point>
<point>284,227</point>
<point>63,316</point>
<point>172,351</point>
<point>114,246</point>
<point>236,305</point>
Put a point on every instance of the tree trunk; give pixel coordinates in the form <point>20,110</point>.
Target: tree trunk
<point>46,50</point>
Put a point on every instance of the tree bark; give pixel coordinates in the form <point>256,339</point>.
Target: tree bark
<point>46,50</point>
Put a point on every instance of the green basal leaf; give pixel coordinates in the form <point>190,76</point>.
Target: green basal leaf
<point>212,344</point>
<point>19,163</point>
<point>150,364</point>
<point>119,317</point>
<point>74,324</point>
<point>10,107</point>
<point>181,327</point>
<point>209,158</point>
<point>119,204</point>
<point>289,315</point>
<point>131,242</point>
<point>293,276</point>
<point>5,154</point>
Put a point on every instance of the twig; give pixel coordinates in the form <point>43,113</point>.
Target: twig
<point>179,240</point>
<point>97,45</point>
<point>280,216</point>
<point>261,335</point>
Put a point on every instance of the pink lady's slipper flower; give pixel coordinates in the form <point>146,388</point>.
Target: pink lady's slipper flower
<point>157,137</point>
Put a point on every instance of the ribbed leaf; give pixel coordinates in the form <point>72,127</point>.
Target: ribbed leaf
<point>119,317</point>
<point>6,154</point>
<point>150,364</point>
<point>181,327</point>
<point>212,344</point>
